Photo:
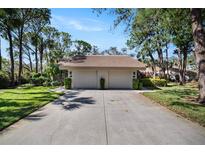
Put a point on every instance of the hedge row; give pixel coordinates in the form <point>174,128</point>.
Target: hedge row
<point>148,82</point>
<point>42,80</point>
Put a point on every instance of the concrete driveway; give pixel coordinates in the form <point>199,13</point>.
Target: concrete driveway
<point>103,117</point>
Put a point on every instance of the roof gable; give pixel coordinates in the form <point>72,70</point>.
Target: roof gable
<point>102,61</point>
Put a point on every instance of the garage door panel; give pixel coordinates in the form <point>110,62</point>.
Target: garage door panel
<point>85,79</point>
<point>120,79</point>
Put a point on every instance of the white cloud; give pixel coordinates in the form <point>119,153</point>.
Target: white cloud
<point>85,24</point>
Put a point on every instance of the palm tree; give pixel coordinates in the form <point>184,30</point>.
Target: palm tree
<point>7,26</point>
<point>39,21</point>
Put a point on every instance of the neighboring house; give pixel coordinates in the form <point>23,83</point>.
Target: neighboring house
<point>86,71</point>
<point>190,74</point>
<point>148,72</point>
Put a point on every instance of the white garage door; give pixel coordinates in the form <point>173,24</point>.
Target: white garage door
<point>84,79</point>
<point>120,79</point>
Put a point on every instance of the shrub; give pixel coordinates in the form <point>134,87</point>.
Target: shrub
<point>36,75</point>
<point>4,80</point>
<point>135,84</point>
<point>140,85</point>
<point>38,80</point>
<point>150,82</point>
<point>47,83</point>
<point>102,83</point>
<point>52,71</point>
<point>159,82</point>
<point>147,82</point>
<point>67,83</point>
<point>24,80</point>
<point>55,83</point>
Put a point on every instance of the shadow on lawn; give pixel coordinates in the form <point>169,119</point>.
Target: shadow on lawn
<point>12,110</point>
<point>186,105</point>
<point>13,102</point>
<point>182,93</point>
<point>13,114</point>
<point>71,100</point>
<point>187,98</point>
<point>9,92</point>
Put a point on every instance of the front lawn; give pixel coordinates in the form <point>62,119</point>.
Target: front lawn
<point>17,103</point>
<point>180,99</point>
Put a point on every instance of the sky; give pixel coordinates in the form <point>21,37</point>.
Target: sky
<point>84,24</point>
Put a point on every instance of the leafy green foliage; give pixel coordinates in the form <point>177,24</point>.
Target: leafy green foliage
<point>52,70</point>
<point>159,82</point>
<point>4,80</point>
<point>67,83</point>
<point>182,100</point>
<point>57,44</point>
<point>18,103</point>
<point>150,82</point>
<point>25,80</point>
<point>135,84</point>
<point>140,85</point>
<point>46,83</point>
<point>123,15</point>
<point>147,82</point>
<point>55,83</point>
<point>148,36</point>
<point>38,79</point>
<point>82,48</point>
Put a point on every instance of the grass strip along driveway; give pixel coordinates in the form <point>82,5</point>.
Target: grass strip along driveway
<point>182,100</point>
<point>18,103</point>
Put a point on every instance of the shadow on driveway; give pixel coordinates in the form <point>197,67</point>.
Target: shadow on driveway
<point>36,116</point>
<point>71,100</point>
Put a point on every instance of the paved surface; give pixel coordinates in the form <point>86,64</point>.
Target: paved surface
<point>103,117</point>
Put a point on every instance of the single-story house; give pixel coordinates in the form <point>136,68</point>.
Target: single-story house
<point>86,71</point>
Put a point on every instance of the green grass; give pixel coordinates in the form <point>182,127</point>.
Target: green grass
<point>180,99</point>
<point>18,103</point>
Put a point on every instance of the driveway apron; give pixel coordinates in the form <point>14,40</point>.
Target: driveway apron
<point>103,117</point>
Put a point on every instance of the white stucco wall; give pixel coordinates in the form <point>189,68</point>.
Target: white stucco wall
<point>115,78</point>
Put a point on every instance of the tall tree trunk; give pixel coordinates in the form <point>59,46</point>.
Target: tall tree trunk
<point>180,67</point>
<point>167,63</point>
<point>197,73</point>
<point>20,55</point>
<point>30,61</point>
<point>160,56</point>
<point>184,65</point>
<point>0,57</point>
<point>153,65</point>
<point>47,56</point>
<point>36,57</point>
<point>199,40</point>
<point>11,55</point>
<point>41,56</point>
<point>41,62</point>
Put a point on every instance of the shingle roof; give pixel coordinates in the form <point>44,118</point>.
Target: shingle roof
<point>102,61</point>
